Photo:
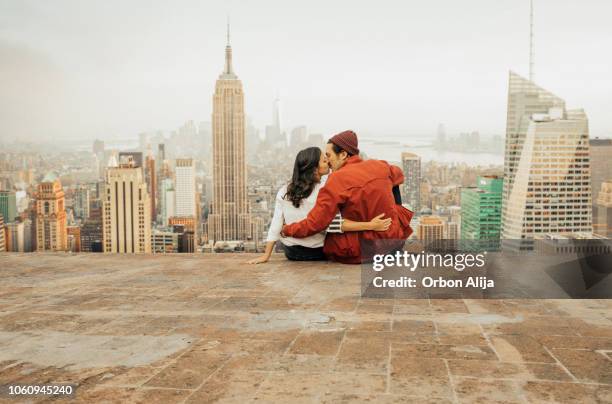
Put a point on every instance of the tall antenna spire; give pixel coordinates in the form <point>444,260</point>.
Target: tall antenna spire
<point>531,49</point>
<point>228,53</point>
<point>228,30</point>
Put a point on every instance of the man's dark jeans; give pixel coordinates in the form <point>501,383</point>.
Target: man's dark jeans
<point>301,253</point>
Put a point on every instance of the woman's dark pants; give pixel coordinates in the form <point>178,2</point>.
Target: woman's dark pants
<point>301,253</point>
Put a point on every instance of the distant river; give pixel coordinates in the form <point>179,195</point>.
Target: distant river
<point>391,150</point>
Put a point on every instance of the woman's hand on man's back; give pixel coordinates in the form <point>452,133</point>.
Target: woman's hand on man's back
<point>380,224</point>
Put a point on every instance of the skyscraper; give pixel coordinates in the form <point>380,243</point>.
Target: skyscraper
<point>185,188</point>
<point>126,210</point>
<point>74,238</point>
<point>603,223</point>
<point>151,179</point>
<point>166,201</point>
<point>8,205</point>
<point>430,229</point>
<point>481,213</point>
<point>92,236</point>
<point>2,234</point>
<point>229,218</point>
<point>50,216</point>
<point>411,165</point>
<point>15,237</point>
<point>601,169</point>
<point>547,181</point>
<point>81,202</point>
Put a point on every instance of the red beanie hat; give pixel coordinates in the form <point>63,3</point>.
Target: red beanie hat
<point>346,140</point>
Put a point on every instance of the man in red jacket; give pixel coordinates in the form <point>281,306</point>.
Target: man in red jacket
<point>360,190</point>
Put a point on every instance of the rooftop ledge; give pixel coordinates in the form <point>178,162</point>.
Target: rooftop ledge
<point>198,328</point>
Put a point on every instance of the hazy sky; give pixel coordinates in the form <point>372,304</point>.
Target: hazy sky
<point>84,69</point>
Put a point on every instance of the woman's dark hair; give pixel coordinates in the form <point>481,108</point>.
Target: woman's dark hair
<point>304,175</point>
<point>337,149</point>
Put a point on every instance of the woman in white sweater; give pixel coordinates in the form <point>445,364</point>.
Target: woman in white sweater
<point>294,201</point>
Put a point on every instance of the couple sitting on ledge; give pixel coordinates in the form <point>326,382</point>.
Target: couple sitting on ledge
<point>328,215</point>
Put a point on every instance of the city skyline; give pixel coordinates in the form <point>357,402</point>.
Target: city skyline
<point>153,70</point>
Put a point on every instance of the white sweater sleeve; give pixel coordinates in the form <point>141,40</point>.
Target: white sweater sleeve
<point>336,224</point>
<point>276,225</point>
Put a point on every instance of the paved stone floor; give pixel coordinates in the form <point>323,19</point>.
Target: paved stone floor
<point>197,329</point>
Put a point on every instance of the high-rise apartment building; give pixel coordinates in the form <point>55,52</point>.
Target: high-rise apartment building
<point>50,216</point>
<point>481,209</point>
<point>15,236</point>
<point>601,169</point>
<point>74,238</point>
<point>92,236</point>
<point>151,179</point>
<point>547,181</point>
<point>166,201</point>
<point>411,165</point>
<point>430,229</point>
<point>2,234</point>
<point>163,242</point>
<point>185,188</point>
<point>602,222</point>
<point>229,218</point>
<point>8,205</point>
<point>81,202</point>
<point>126,210</point>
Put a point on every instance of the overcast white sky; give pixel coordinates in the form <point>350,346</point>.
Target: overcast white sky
<point>84,69</point>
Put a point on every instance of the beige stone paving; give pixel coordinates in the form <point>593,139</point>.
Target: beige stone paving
<point>198,329</point>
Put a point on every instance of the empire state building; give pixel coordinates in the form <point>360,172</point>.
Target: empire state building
<point>229,219</point>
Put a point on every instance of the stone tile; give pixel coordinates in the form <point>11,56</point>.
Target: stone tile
<point>426,377</point>
<point>292,387</point>
<point>567,342</point>
<point>547,392</point>
<point>381,399</point>
<point>412,306</point>
<point>408,338</point>
<point>382,307</point>
<point>236,387</point>
<point>483,306</point>
<point>444,351</point>
<point>591,329</point>
<point>317,342</point>
<point>369,354</point>
<point>353,383</point>
<point>110,395</point>
<point>257,361</point>
<point>134,377</point>
<point>160,396</point>
<point>304,363</point>
<point>369,325</point>
<point>465,339</point>
<point>587,366</point>
<point>344,304</point>
<point>413,326</point>
<point>533,326</point>
<point>456,333</point>
<point>448,306</point>
<point>520,348</point>
<point>506,370</point>
<point>189,371</point>
<point>470,390</point>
